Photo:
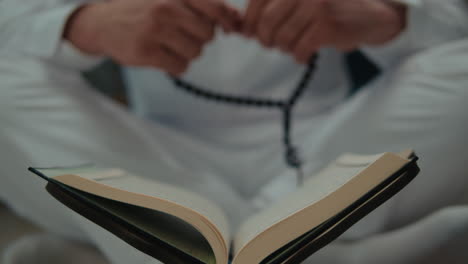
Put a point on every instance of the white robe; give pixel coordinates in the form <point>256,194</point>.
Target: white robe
<point>233,155</point>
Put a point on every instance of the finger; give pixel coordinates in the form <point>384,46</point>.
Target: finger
<point>166,60</point>
<point>275,13</point>
<point>190,22</point>
<point>312,39</point>
<point>252,16</point>
<point>342,40</point>
<point>234,19</point>
<point>181,44</point>
<point>292,30</point>
<point>236,15</point>
<point>346,46</point>
<point>216,11</point>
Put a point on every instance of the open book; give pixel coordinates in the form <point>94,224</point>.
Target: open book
<point>177,226</point>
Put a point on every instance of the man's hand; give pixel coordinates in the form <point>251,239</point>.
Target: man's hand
<point>166,34</point>
<point>301,27</point>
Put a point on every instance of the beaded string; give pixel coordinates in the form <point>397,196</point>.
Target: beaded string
<point>292,156</point>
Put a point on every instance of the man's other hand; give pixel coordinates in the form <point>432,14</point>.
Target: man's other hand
<point>301,27</point>
<point>165,34</point>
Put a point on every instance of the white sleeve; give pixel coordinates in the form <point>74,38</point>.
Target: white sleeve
<point>35,27</point>
<point>429,23</point>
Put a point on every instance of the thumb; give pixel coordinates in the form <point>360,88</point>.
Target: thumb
<point>218,11</point>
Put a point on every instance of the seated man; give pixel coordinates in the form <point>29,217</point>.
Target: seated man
<point>231,154</point>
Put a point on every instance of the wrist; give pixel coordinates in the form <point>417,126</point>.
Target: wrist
<point>83,28</point>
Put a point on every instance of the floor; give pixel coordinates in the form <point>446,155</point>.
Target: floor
<point>12,227</point>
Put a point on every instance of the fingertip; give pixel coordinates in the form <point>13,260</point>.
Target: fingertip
<point>245,31</point>
<point>226,30</point>
<point>228,22</point>
<point>227,27</point>
<point>283,49</point>
<point>234,13</point>
<point>174,73</point>
<point>238,27</point>
<point>181,71</point>
<point>349,48</point>
<point>266,44</point>
<point>269,44</point>
<point>250,32</point>
<point>299,60</point>
<point>246,27</point>
<point>230,15</point>
<point>238,24</point>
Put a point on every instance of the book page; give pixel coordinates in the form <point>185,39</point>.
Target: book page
<point>125,181</point>
<point>146,193</point>
<point>314,189</point>
<point>321,198</point>
<point>172,230</point>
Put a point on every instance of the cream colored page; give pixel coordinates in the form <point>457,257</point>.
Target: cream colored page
<point>170,229</point>
<point>315,188</point>
<point>123,180</point>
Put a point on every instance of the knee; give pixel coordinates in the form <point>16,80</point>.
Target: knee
<point>446,61</point>
<point>438,78</point>
<point>28,85</point>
